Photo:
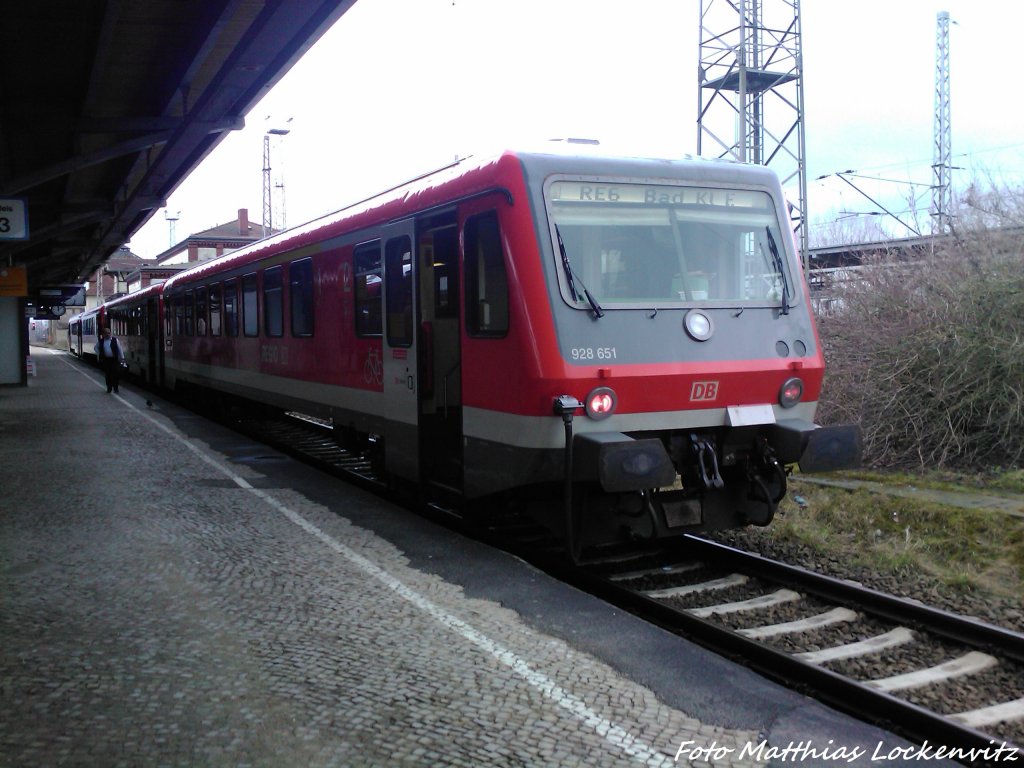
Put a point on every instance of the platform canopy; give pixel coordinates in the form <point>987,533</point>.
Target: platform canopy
<point>107,105</point>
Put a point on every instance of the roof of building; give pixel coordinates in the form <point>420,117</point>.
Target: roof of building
<point>235,234</point>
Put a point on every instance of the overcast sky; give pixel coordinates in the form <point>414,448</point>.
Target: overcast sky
<point>398,87</point>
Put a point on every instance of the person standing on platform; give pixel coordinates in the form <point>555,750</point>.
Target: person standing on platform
<point>108,352</point>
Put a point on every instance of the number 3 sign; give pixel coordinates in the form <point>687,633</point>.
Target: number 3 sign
<point>13,219</point>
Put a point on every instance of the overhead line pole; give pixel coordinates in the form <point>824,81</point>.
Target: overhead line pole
<point>942,163</point>
<point>751,87</point>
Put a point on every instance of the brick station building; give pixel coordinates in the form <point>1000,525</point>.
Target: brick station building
<point>211,243</point>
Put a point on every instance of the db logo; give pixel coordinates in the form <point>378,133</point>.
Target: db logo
<point>703,390</point>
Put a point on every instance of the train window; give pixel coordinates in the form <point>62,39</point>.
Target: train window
<point>366,260</point>
<point>486,279</point>
<point>300,282</point>
<point>190,313</point>
<point>215,294</point>
<point>202,310</point>
<point>231,308</point>
<point>398,273</point>
<point>250,319</point>
<point>445,262</point>
<point>273,306</point>
<point>179,314</point>
<point>638,245</point>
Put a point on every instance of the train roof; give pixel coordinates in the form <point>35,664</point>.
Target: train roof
<point>477,175</point>
<point>150,290</point>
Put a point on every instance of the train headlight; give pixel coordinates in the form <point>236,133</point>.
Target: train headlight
<point>600,403</point>
<point>698,325</point>
<point>791,392</point>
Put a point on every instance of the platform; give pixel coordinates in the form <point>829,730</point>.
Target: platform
<point>175,594</point>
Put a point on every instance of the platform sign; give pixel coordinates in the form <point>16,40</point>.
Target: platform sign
<point>13,281</point>
<point>13,219</point>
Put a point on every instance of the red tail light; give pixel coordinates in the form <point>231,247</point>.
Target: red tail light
<point>791,392</point>
<point>600,403</point>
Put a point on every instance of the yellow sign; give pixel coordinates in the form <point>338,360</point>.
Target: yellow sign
<point>13,281</point>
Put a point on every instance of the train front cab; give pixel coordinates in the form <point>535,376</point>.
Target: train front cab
<point>698,437</point>
<point>711,361</point>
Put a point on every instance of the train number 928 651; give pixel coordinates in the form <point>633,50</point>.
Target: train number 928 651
<point>593,353</point>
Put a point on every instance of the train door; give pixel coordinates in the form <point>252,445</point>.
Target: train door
<point>152,348</point>
<point>441,355</point>
<point>399,364</point>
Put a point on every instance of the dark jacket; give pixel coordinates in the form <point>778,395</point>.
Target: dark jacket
<point>115,347</point>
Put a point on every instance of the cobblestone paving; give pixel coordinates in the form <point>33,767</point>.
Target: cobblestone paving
<point>179,621</point>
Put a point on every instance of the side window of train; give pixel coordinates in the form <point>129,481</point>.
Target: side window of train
<point>300,282</point>
<point>398,273</point>
<point>231,308</point>
<point>366,260</point>
<point>273,306</point>
<point>190,312</point>
<point>445,258</point>
<point>215,294</point>
<point>202,310</point>
<point>250,320</point>
<point>486,281</point>
<point>178,307</point>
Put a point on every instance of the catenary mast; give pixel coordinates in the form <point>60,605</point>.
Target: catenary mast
<point>942,157</point>
<point>750,92</point>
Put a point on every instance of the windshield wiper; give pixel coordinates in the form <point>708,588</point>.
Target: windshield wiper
<point>777,263</point>
<point>571,277</point>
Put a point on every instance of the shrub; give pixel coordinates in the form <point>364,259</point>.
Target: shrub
<point>927,354</point>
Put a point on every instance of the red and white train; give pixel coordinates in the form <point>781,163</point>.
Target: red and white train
<point>83,332</point>
<point>630,338</point>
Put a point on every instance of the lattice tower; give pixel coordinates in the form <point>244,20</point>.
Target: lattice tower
<point>751,95</point>
<point>268,207</point>
<point>942,157</point>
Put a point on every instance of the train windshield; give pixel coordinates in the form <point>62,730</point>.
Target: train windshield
<point>628,245</point>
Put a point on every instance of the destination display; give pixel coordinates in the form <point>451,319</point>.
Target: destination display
<point>648,194</point>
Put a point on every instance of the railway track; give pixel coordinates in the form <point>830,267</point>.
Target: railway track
<point>934,677</point>
<point>930,675</point>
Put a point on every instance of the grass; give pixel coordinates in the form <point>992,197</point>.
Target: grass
<point>964,549</point>
<point>996,481</point>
